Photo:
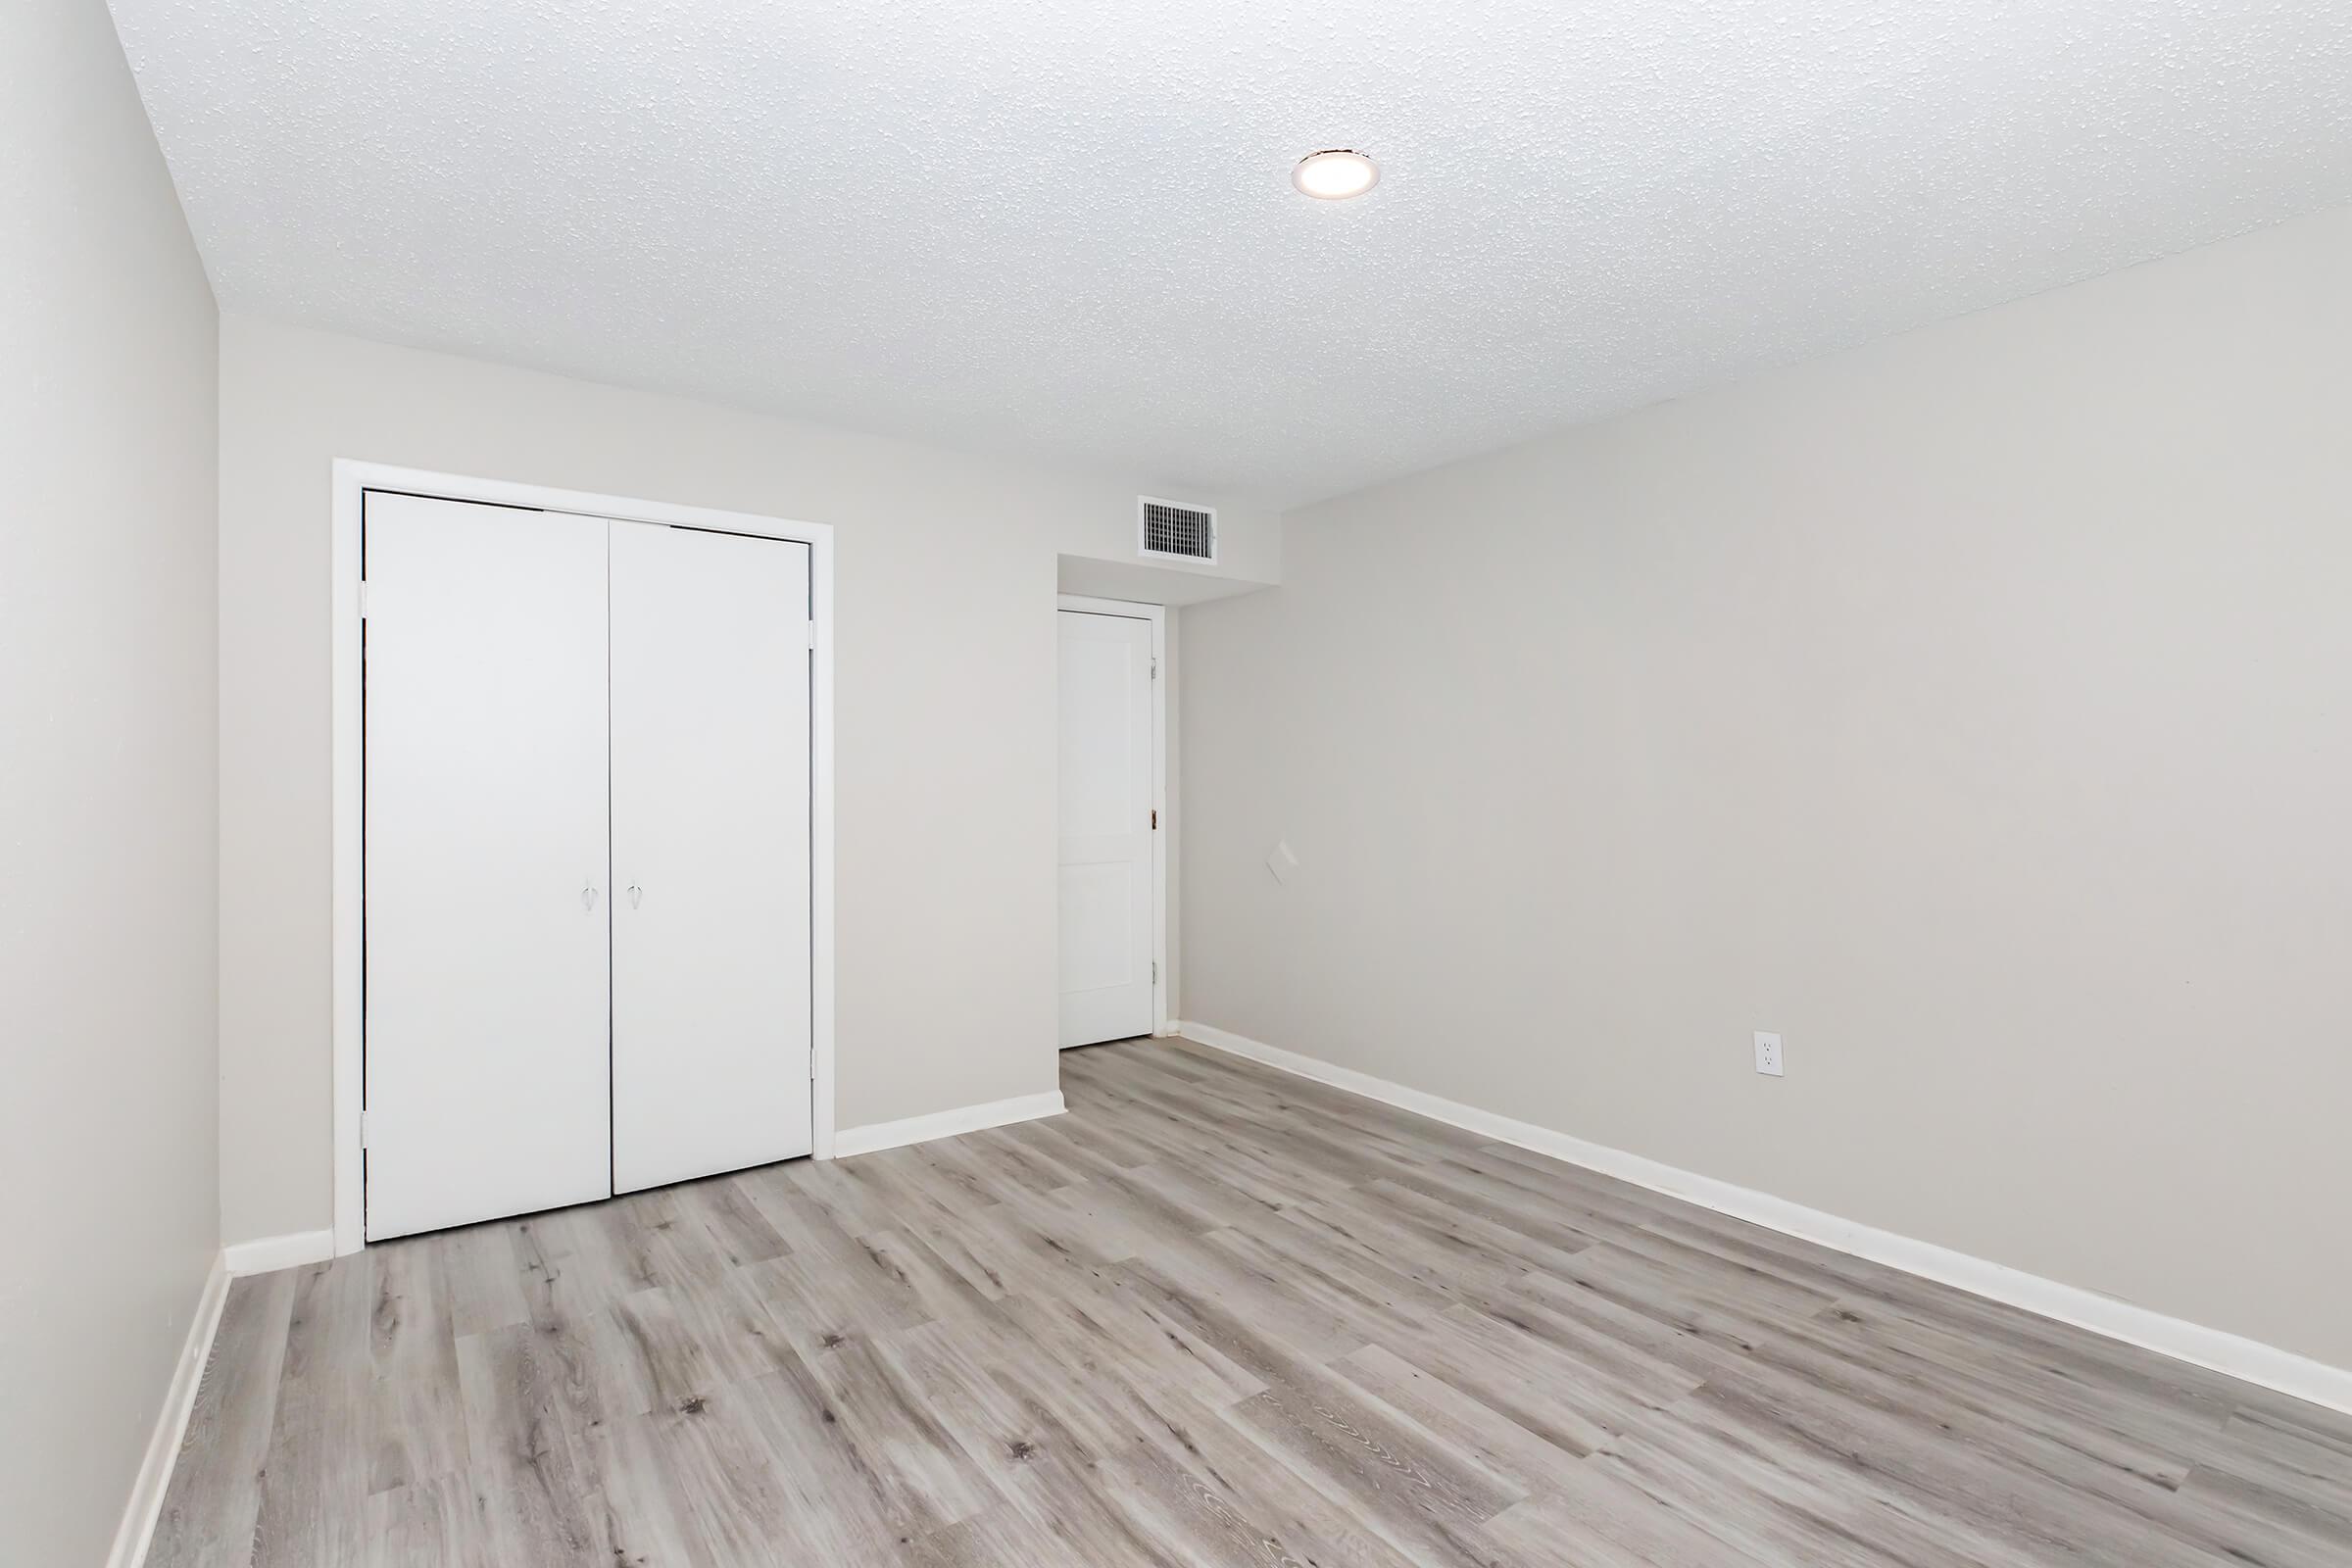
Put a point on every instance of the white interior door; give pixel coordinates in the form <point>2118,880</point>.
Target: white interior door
<point>711,920</point>
<point>1107,765</point>
<point>486,895</point>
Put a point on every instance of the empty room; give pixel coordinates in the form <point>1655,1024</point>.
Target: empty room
<point>1192,785</point>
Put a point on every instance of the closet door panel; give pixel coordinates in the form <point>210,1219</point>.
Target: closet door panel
<point>711,918</point>
<point>487,897</point>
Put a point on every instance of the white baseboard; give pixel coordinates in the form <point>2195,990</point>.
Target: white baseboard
<point>944,1125</point>
<point>146,1503</point>
<point>267,1254</point>
<point>2211,1348</point>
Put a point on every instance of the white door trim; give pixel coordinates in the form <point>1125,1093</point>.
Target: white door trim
<point>1157,616</point>
<point>352,480</point>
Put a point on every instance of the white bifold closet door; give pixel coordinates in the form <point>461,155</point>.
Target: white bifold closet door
<point>711,918</point>
<point>487,901</point>
<point>587,836</point>
<point>1107,765</point>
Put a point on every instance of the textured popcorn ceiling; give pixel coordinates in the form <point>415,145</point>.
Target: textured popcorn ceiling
<point>1067,229</point>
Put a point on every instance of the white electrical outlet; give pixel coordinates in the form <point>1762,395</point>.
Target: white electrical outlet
<point>1768,1053</point>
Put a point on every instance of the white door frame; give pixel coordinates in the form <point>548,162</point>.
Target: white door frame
<point>352,480</point>
<point>1157,616</point>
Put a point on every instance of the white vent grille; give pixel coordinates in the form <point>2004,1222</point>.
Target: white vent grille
<point>1179,532</point>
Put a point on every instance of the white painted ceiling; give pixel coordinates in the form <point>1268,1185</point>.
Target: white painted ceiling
<point>1065,227</point>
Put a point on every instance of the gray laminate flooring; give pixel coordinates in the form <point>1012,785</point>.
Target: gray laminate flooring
<point>1214,1315</point>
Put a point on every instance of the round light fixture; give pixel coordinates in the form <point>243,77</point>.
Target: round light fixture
<point>1335,173</point>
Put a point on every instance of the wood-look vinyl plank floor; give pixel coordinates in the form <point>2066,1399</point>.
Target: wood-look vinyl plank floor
<point>1213,1316</point>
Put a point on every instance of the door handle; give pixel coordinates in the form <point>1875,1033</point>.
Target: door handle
<point>588,896</point>
<point>636,895</point>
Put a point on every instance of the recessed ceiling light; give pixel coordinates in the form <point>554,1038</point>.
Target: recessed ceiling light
<point>1335,174</point>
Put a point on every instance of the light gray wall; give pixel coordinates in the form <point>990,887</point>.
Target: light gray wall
<point>1974,709</point>
<point>946,583</point>
<point>107,1121</point>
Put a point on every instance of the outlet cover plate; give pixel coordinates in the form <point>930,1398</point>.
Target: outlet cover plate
<point>1768,1054</point>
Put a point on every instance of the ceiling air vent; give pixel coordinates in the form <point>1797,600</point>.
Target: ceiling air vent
<point>1177,532</point>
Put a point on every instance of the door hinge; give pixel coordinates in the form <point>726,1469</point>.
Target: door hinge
<point>364,1130</point>
<point>363,598</point>
<point>1155,971</point>
<point>1156,669</point>
<point>1155,819</point>
<point>813,634</point>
